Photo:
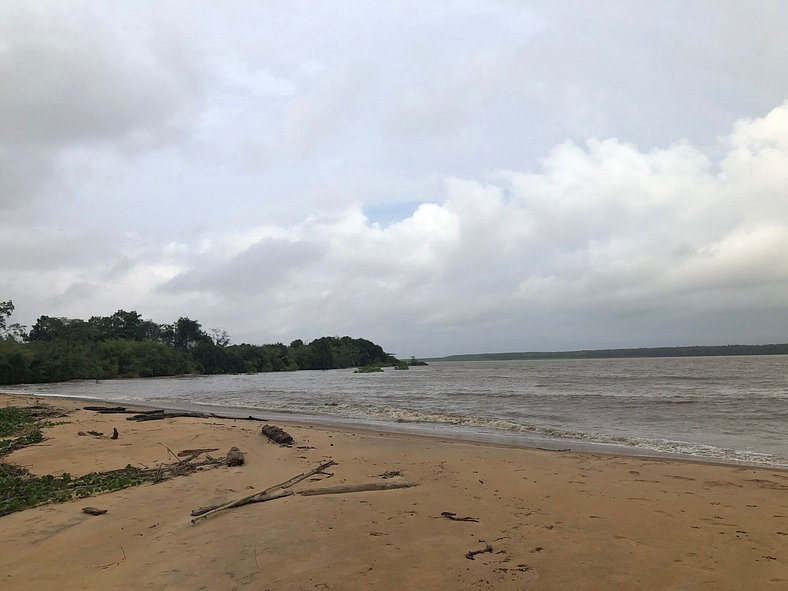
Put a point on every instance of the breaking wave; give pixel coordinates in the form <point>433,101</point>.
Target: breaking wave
<point>398,415</point>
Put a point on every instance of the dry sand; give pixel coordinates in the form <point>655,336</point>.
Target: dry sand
<point>554,520</point>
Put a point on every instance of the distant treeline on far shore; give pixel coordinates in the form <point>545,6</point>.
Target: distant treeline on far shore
<point>693,351</point>
<point>125,345</point>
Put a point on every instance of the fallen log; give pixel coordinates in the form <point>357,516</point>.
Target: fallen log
<point>351,488</point>
<point>106,409</point>
<point>160,416</point>
<point>277,435</point>
<point>112,410</point>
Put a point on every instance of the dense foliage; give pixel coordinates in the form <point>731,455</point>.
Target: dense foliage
<point>125,345</point>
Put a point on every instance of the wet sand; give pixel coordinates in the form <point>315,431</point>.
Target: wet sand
<point>553,520</point>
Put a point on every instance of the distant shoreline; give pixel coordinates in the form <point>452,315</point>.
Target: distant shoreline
<point>691,351</point>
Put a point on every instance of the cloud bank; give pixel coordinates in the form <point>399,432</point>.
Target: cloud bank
<point>468,177</point>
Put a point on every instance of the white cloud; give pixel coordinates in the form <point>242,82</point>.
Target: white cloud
<point>563,180</point>
<point>598,230</point>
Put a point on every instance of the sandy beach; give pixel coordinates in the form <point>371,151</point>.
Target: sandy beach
<point>551,520</point>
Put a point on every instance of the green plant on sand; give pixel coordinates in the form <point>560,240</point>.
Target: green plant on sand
<point>19,489</point>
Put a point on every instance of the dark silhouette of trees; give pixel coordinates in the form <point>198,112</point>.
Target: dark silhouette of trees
<point>124,345</point>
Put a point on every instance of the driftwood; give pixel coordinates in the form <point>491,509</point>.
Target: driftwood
<point>93,511</point>
<point>277,435</point>
<point>116,410</point>
<point>202,512</point>
<point>471,553</point>
<point>115,433</point>
<point>234,457</point>
<point>95,433</point>
<point>196,452</point>
<point>158,414</point>
<point>189,454</point>
<point>453,517</point>
<point>351,488</point>
<point>169,414</point>
<point>106,409</point>
<point>172,453</point>
<point>278,491</point>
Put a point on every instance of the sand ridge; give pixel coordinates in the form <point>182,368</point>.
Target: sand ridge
<point>552,520</point>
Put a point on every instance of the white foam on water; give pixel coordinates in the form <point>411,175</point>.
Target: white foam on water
<point>683,448</point>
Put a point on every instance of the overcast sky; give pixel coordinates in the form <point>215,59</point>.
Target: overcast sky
<point>439,177</point>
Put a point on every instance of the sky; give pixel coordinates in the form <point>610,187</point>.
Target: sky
<point>439,177</point>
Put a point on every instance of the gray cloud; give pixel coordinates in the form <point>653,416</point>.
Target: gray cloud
<point>70,79</point>
<point>261,267</point>
<point>541,175</point>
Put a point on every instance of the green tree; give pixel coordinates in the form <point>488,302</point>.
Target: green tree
<point>10,332</point>
<point>48,328</point>
<point>188,333</point>
<point>126,325</point>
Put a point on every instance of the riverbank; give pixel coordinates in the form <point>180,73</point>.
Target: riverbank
<point>553,520</point>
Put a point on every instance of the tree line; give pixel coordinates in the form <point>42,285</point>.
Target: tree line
<point>124,345</point>
<point>689,351</point>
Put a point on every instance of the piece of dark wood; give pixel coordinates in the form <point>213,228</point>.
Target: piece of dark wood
<point>471,553</point>
<point>109,410</point>
<point>115,433</point>
<point>169,414</point>
<point>277,435</point>
<point>93,511</point>
<point>106,409</point>
<point>234,457</point>
<point>196,452</point>
<point>453,517</point>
